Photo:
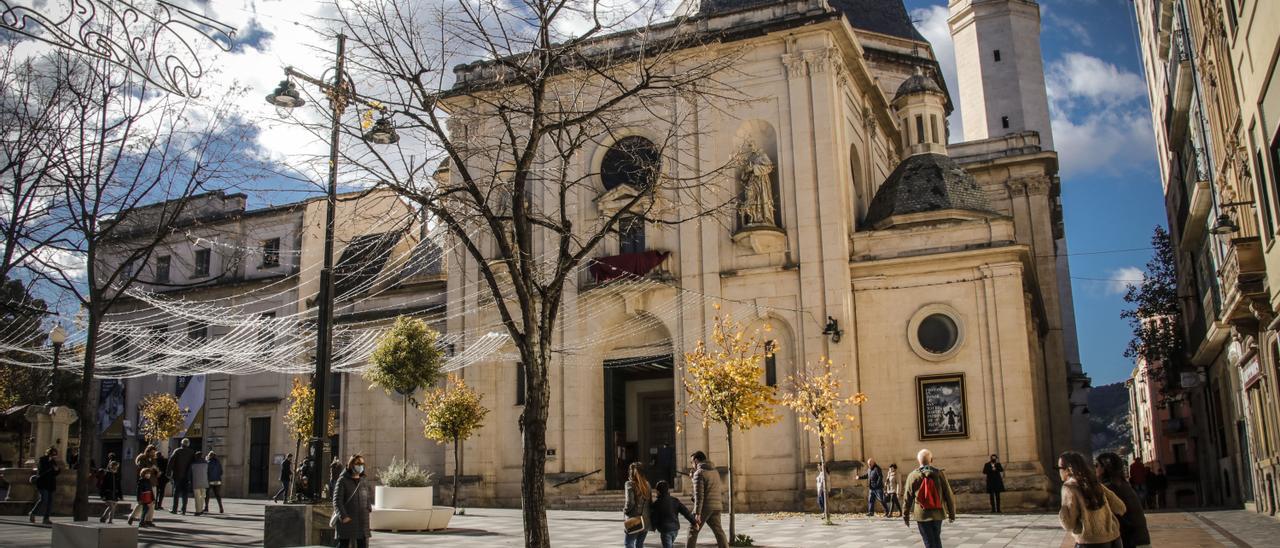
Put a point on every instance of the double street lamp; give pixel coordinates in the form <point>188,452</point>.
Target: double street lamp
<point>383,132</point>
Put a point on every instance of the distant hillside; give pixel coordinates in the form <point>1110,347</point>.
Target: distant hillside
<point>1109,418</point>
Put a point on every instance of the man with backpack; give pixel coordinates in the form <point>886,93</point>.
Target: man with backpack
<point>929,500</point>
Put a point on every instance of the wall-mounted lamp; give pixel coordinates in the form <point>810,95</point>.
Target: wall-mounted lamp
<point>833,329</point>
<point>1225,224</point>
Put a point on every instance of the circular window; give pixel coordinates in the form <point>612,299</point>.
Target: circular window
<point>938,334</point>
<point>631,161</point>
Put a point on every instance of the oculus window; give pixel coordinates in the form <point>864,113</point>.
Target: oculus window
<point>631,161</point>
<point>938,334</point>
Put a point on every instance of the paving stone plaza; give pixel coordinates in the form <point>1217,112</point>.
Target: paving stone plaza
<point>241,526</point>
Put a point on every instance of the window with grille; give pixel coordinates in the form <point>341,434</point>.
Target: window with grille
<point>271,253</point>
<point>201,264</point>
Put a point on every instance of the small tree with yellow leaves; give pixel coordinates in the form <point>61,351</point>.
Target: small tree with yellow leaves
<point>823,410</point>
<point>161,416</point>
<point>453,414</point>
<point>725,383</point>
<point>299,419</point>
<point>407,358</point>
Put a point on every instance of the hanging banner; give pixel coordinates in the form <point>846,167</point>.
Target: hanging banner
<point>110,408</point>
<point>191,399</point>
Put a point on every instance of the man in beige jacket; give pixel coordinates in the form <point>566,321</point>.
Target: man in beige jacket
<point>706,500</point>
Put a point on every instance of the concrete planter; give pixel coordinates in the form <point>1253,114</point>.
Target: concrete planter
<point>407,509</point>
<point>287,525</point>
<point>94,535</point>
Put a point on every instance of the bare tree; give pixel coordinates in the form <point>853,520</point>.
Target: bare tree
<point>124,173</point>
<point>540,86</point>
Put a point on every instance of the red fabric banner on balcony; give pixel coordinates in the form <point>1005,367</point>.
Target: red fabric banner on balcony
<point>627,265</point>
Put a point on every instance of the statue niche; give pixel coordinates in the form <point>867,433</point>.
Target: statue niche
<point>759,225</point>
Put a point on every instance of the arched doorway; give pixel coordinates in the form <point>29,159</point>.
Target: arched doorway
<point>640,404</point>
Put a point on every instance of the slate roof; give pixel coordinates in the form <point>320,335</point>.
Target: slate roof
<point>883,16</point>
<point>362,260</point>
<point>926,182</point>
<point>917,83</point>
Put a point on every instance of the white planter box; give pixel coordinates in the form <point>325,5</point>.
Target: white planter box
<point>402,498</point>
<point>435,519</point>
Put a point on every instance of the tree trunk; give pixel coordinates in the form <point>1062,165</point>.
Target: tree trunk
<point>404,429</point>
<point>533,423</point>
<point>732,529</point>
<point>457,471</point>
<point>88,416</point>
<point>822,469</point>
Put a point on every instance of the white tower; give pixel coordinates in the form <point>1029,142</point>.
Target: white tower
<point>1001,72</point>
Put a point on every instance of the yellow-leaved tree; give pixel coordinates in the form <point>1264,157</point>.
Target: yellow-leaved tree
<point>299,419</point>
<point>823,410</point>
<point>161,416</point>
<point>454,412</point>
<point>726,385</point>
<point>408,358</point>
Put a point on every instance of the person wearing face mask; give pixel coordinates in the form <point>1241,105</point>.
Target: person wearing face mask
<point>351,506</point>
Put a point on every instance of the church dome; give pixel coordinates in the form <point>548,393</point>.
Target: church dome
<point>918,83</point>
<point>924,183</point>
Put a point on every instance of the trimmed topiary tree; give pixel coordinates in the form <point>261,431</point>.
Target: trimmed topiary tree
<point>454,413</point>
<point>408,358</point>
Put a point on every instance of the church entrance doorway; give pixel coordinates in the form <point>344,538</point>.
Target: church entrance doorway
<point>639,418</point>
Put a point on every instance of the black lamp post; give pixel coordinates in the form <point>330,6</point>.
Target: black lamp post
<point>57,337</point>
<point>340,95</point>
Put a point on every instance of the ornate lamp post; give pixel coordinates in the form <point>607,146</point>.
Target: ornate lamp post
<point>57,337</point>
<point>340,94</point>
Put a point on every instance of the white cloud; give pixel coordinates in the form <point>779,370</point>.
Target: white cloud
<point>1103,141</point>
<point>932,23</point>
<point>1122,278</point>
<point>70,264</point>
<point>1078,76</point>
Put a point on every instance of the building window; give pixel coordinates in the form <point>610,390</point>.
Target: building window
<point>631,235</point>
<point>162,268</point>
<point>1261,169</point>
<point>159,334</point>
<point>906,134</point>
<point>1004,122</point>
<point>919,128</point>
<point>128,270</point>
<point>997,55</point>
<point>1275,161</point>
<point>938,333</point>
<point>933,128</point>
<point>630,161</point>
<point>197,331</point>
<point>271,253</point>
<point>202,264</point>
<point>520,383</point>
<point>335,390</point>
<point>266,336</point>
<point>771,364</point>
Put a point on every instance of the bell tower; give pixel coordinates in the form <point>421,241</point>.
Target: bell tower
<point>1000,69</point>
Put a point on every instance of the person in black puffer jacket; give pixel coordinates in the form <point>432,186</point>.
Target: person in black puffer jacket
<point>111,490</point>
<point>665,512</point>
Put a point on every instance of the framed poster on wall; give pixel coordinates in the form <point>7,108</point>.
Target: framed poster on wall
<point>941,407</point>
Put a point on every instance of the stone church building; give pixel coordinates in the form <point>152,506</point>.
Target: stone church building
<point>932,270</point>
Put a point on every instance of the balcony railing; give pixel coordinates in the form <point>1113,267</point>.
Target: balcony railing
<point>1244,277</point>
<point>1181,82</point>
<point>645,265</point>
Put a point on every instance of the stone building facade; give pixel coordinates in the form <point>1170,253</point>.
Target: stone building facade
<point>933,274</point>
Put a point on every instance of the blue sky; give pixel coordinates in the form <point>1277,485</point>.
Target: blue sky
<point>1110,181</point>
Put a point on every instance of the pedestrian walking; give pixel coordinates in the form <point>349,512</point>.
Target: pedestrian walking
<point>179,470</point>
<point>161,479</point>
<point>636,518</point>
<point>335,473</point>
<point>1159,485</point>
<point>1133,523</point>
<point>875,488</point>
<point>820,483</point>
<point>707,503</point>
<point>351,506</point>
<point>929,500</point>
<point>200,482</point>
<point>665,512</point>
<point>46,480</point>
<point>215,481</point>
<point>146,499</point>
<point>994,472</point>
<point>1089,509</point>
<point>1138,478</point>
<point>893,488</point>
<point>110,491</point>
<point>286,475</point>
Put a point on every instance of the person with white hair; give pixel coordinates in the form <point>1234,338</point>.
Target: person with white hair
<point>929,500</point>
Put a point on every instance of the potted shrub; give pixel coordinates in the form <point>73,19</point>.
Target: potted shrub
<point>403,501</point>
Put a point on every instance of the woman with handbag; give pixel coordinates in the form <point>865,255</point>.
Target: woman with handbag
<point>146,499</point>
<point>351,506</point>
<point>636,511</point>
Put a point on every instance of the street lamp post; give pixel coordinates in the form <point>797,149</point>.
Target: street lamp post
<point>383,132</point>
<point>57,337</point>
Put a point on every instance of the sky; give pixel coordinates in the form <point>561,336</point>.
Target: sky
<point>1111,190</point>
<point>1101,123</point>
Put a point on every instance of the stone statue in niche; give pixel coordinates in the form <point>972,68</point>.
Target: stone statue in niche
<point>758,207</point>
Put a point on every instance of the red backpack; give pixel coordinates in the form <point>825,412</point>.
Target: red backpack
<point>929,494</point>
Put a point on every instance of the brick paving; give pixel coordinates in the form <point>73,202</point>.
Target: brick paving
<point>499,528</point>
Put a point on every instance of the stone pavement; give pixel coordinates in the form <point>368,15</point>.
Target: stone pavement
<point>241,526</point>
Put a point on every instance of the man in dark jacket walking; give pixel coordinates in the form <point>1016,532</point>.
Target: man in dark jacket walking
<point>707,503</point>
<point>180,474</point>
<point>47,470</point>
<point>875,488</point>
<point>286,476</point>
<point>929,500</point>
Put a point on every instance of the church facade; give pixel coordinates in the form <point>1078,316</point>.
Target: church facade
<point>931,272</point>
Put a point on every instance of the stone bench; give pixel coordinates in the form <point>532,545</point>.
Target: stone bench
<point>91,534</point>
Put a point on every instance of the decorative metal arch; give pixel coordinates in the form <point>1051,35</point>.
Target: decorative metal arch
<point>154,42</point>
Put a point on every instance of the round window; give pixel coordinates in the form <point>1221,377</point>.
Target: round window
<point>938,333</point>
<point>631,161</point>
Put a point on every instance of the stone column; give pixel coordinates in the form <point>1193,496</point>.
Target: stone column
<point>50,426</point>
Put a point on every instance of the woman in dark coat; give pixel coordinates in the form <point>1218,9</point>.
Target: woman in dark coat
<point>666,511</point>
<point>352,504</point>
<point>111,490</point>
<point>46,482</point>
<point>1133,523</point>
<point>994,471</point>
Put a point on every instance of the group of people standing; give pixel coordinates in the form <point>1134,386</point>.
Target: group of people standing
<point>1099,507</point>
<point>1150,485</point>
<point>193,474</point>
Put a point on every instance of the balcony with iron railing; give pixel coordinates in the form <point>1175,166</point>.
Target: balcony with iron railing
<point>1244,278</point>
<point>1181,83</point>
